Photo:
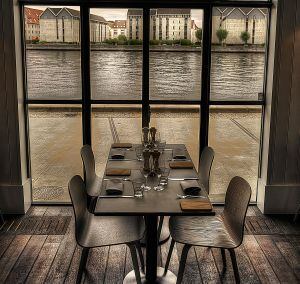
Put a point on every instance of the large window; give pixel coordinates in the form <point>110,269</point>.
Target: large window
<point>96,75</point>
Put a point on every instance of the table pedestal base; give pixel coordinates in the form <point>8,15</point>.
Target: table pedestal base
<point>169,278</point>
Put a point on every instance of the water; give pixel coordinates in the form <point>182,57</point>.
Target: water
<point>118,75</point>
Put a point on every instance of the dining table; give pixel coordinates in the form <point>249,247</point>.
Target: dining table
<point>151,206</point>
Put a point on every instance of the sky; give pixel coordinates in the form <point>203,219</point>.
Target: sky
<point>120,14</point>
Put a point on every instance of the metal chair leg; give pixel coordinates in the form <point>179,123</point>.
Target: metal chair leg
<point>169,256</point>
<point>83,259</point>
<point>139,249</point>
<point>160,224</point>
<point>135,263</point>
<point>234,265</point>
<point>223,259</point>
<point>184,255</point>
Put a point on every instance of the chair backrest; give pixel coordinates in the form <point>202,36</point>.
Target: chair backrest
<point>236,203</point>
<point>88,160</point>
<point>206,160</point>
<point>79,200</point>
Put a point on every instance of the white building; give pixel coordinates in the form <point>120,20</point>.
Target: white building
<point>32,23</point>
<point>165,24</point>
<point>238,20</point>
<point>63,25</point>
<point>117,28</point>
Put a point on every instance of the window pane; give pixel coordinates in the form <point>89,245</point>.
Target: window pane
<point>55,142</point>
<point>234,133</point>
<point>238,53</point>
<point>175,54</point>
<point>113,123</point>
<point>116,53</point>
<point>52,52</point>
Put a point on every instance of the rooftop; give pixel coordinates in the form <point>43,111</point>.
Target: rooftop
<point>32,16</point>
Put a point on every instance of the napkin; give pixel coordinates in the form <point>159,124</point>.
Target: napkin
<point>181,165</point>
<point>196,205</point>
<point>117,172</point>
<point>114,186</point>
<point>190,187</point>
<point>121,145</point>
<point>117,154</point>
<point>179,154</point>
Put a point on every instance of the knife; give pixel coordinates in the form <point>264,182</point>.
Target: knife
<point>180,179</point>
<point>116,196</point>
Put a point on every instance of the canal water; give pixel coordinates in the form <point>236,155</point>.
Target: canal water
<point>118,75</point>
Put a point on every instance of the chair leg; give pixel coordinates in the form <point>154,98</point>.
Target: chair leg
<point>135,263</point>
<point>160,224</point>
<point>169,256</point>
<point>234,265</point>
<point>184,255</point>
<point>83,259</point>
<point>223,259</point>
<point>139,249</point>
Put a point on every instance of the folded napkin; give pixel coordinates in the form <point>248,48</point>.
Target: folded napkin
<point>117,154</point>
<point>114,186</point>
<point>179,154</point>
<point>181,165</point>
<point>117,172</point>
<point>121,145</point>
<point>190,187</point>
<point>196,205</point>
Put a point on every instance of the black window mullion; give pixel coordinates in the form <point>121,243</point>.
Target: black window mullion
<point>145,76</point>
<point>205,80</point>
<point>85,73</point>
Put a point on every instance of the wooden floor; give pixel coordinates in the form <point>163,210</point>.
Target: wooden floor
<point>270,253</point>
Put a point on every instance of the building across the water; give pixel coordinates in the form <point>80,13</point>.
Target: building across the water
<point>63,25</point>
<point>165,24</point>
<point>117,28</point>
<point>32,23</point>
<point>238,20</point>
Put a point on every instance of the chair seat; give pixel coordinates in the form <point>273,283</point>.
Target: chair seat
<point>97,231</point>
<point>208,231</point>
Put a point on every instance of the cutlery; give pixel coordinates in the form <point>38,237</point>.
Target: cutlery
<point>116,196</point>
<point>122,179</point>
<point>179,196</point>
<point>110,159</point>
<point>180,179</point>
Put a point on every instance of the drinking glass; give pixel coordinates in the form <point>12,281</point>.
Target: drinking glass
<point>139,153</point>
<point>144,142</point>
<point>138,188</point>
<point>162,179</point>
<point>162,146</point>
<point>146,175</point>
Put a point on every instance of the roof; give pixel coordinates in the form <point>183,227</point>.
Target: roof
<point>245,11</point>
<point>173,11</point>
<point>32,16</point>
<point>119,24</point>
<point>54,11</point>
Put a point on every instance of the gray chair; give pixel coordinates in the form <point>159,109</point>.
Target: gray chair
<point>224,231</point>
<point>206,160</point>
<point>92,231</point>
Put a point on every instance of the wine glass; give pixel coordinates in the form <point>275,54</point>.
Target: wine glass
<point>162,176</point>
<point>139,153</point>
<point>146,173</point>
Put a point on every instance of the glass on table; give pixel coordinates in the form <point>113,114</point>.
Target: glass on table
<point>162,177</point>
<point>145,174</point>
<point>138,188</point>
<point>139,152</point>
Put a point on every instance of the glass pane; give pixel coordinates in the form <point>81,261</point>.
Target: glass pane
<point>52,37</point>
<point>113,123</point>
<point>116,53</point>
<point>238,53</point>
<point>175,54</point>
<point>55,142</point>
<point>234,133</point>
<point>178,125</point>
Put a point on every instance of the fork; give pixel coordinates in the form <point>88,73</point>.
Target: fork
<point>179,196</point>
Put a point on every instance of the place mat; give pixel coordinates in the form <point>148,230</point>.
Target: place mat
<point>117,172</point>
<point>196,205</point>
<point>117,154</point>
<point>121,145</point>
<point>181,165</point>
<point>114,186</point>
<point>179,154</point>
<point>190,187</point>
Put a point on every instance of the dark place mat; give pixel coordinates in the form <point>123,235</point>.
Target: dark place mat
<point>121,145</point>
<point>196,205</point>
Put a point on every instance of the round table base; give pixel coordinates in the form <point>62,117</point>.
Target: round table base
<point>169,278</point>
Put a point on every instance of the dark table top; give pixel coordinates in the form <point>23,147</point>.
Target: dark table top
<point>153,203</point>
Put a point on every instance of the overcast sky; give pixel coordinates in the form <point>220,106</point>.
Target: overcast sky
<point>121,14</point>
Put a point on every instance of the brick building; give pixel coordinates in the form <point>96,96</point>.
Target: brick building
<point>32,23</point>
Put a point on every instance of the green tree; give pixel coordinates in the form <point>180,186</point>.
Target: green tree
<point>245,37</point>
<point>199,35</point>
<point>122,39</point>
<point>185,42</point>
<point>221,35</point>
